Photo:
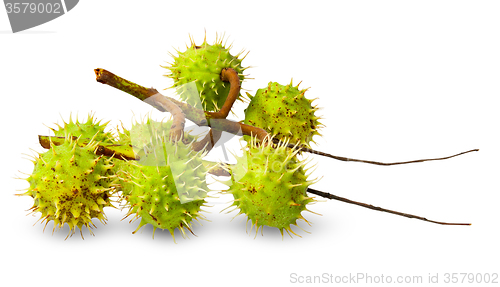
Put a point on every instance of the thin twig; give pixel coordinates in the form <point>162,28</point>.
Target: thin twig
<point>341,158</point>
<point>369,206</point>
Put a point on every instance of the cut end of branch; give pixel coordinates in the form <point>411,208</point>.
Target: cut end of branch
<point>103,76</point>
<point>98,75</point>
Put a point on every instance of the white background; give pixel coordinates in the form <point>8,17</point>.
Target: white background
<point>397,80</point>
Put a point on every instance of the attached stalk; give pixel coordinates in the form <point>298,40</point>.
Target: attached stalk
<point>231,76</point>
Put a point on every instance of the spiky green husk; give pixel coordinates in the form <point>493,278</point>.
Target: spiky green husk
<point>203,64</point>
<point>139,137</point>
<point>84,130</point>
<point>269,185</point>
<point>167,187</point>
<point>284,112</point>
<point>91,130</point>
<point>71,184</point>
<point>140,134</point>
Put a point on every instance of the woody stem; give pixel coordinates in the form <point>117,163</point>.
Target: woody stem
<point>198,116</point>
<point>152,95</point>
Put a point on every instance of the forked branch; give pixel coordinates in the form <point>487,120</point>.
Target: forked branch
<point>220,123</point>
<point>198,116</point>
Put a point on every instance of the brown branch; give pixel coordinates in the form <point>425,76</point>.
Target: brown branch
<point>369,206</point>
<point>152,95</point>
<point>253,131</point>
<point>219,171</point>
<point>127,154</point>
<point>231,76</point>
<point>47,141</point>
<point>160,102</point>
<point>108,78</point>
<point>208,142</point>
<point>195,115</point>
<point>198,116</point>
